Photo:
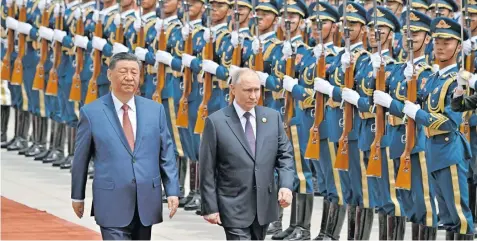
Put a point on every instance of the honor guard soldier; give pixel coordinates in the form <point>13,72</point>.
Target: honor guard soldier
<point>340,75</point>
<point>448,151</point>
<point>417,196</point>
<point>244,33</point>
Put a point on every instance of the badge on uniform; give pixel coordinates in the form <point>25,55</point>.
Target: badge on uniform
<point>264,120</point>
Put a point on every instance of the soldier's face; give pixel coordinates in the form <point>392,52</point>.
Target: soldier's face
<point>266,20</point>
<point>356,30</point>
<point>368,5</point>
<point>244,13</point>
<point>124,77</point>
<point>170,6</point>
<point>148,4</point>
<point>295,21</point>
<point>473,22</point>
<point>328,28</point>
<point>247,91</point>
<point>219,11</point>
<point>196,8</point>
<point>419,40</point>
<point>443,11</point>
<point>445,49</point>
<point>395,7</point>
<point>384,33</point>
<point>126,3</point>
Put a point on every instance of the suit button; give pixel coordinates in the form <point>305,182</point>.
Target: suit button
<point>255,187</point>
<point>133,160</point>
<point>256,169</point>
<point>133,181</point>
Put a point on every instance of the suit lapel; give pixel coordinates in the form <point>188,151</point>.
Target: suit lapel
<point>110,113</point>
<point>234,123</point>
<point>261,129</point>
<point>140,110</point>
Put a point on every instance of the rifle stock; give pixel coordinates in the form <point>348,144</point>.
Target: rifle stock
<point>92,93</point>
<point>183,112</point>
<point>6,65</point>
<point>342,157</point>
<point>17,76</point>
<point>52,86</point>
<point>75,92</point>
<point>403,179</point>
<point>39,80</point>
<point>203,112</point>
<point>258,66</point>
<point>161,70</point>
<point>375,160</point>
<point>313,146</point>
<point>236,60</point>
<point>289,102</point>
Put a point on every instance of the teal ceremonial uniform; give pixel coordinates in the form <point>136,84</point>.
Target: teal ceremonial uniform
<point>150,75</point>
<point>32,57</point>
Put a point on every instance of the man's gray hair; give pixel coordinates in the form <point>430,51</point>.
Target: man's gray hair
<point>121,57</point>
<point>236,75</point>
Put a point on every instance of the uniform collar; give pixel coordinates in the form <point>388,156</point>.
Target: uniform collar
<point>72,4</point>
<point>88,4</point>
<point>243,30</point>
<point>266,35</point>
<point>110,9</point>
<point>329,44</point>
<point>196,22</point>
<point>474,39</point>
<point>356,45</point>
<point>128,12</point>
<point>419,59</point>
<point>218,27</point>
<point>146,16</point>
<point>170,19</point>
<point>446,69</point>
<point>296,38</point>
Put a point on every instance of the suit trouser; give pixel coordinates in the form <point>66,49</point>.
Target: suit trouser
<point>418,203</point>
<point>451,185</point>
<point>254,232</point>
<point>134,231</point>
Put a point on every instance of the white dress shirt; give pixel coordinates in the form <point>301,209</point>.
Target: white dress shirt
<point>131,112</point>
<point>243,120</point>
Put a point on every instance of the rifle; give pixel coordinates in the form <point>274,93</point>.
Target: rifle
<point>375,160</point>
<point>438,14</point>
<point>203,112</point>
<point>92,93</point>
<point>237,54</point>
<point>468,65</point>
<point>161,69</point>
<point>141,42</point>
<point>279,30</point>
<point>290,71</point>
<point>338,34</point>
<point>342,156</point>
<point>17,76</point>
<point>313,147</point>
<point>52,86</point>
<point>258,64</point>
<point>75,92</point>
<point>183,112</point>
<point>6,65</point>
<point>403,178</point>
<point>39,79</point>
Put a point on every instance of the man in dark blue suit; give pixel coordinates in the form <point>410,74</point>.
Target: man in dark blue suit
<point>128,139</point>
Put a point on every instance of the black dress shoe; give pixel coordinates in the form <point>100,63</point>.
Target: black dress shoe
<point>274,228</point>
<point>57,159</point>
<point>6,144</point>
<point>186,199</point>
<point>42,155</point>
<point>164,197</point>
<point>26,149</point>
<point>194,203</point>
<point>35,151</point>
<point>67,163</point>
<point>17,144</point>
<point>198,212</point>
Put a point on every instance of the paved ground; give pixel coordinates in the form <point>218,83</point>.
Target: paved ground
<point>42,187</point>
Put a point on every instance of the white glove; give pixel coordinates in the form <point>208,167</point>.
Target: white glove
<point>350,96</point>
<point>318,50</point>
<point>289,83</point>
<point>4,41</point>
<point>42,5</point>
<point>98,43</point>
<point>263,77</point>
<point>408,71</point>
<point>472,81</point>
<point>9,3</point>
<point>255,45</point>
<point>410,109</point>
<point>376,60</point>
<point>381,98</point>
<point>467,47</point>
<point>185,31</point>
<point>435,68</point>
<point>207,35</point>
<point>81,41</point>
<point>345,60</point>
<point>287,50</point>
<point>234,38</point>
<point>117,19</point>
<point>164,57</point>
<point>158,25</point>
<point>187,59</point>
<point>140,53</point>
<point>77,14</point>
<point>12,23</point>
<point>24,28</point>
<point>209,66</point>
<point>59,35</point>
<point>20,2</point>
<point>323,87</point>
<point>57,10</point>
<point>95,16</point>
<point>137,24</point>
<point>119,48</point>
<point>46,33</point>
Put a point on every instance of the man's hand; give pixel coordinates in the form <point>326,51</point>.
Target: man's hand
<point>285,197</point>
<point>213,218</point>
<point>173,204</point>
<point>78,207</point>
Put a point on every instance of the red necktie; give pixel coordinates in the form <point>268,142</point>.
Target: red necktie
<point>127,127</point>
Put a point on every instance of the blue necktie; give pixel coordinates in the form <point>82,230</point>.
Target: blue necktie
<point>249,132</point>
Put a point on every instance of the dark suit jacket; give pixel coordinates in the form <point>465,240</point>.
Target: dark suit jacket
<point>233,182</point>
<point>462,104</point>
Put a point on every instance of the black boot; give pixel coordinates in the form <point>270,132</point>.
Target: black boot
<point>192,184</point>
<point>449,235</point>
<point>396,227</point>
<point>5,117</point>
<point>364,223</point>
<point>472,193</point>
<point>351,221</point>
<point>91,169</point>
<point>51,146</point>
<point>428,233</point>
<point>383,224</point>
<point>182,162</point>
<point>16,130</point>
<point>194,203</point>
<point>58,152</point>
<point>71,149</point>
<point>335,221</point>
<point>324,220</point>
<point>415,231</point>
<point>276,227</point>
<point>458,236</point>
<point>33,120</point>
<point>304,212</point>
<point>23,125</point>
<point>41,133</point>
<point>285,233</point>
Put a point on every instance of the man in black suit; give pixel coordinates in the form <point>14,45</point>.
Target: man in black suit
<point>242,145</point>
